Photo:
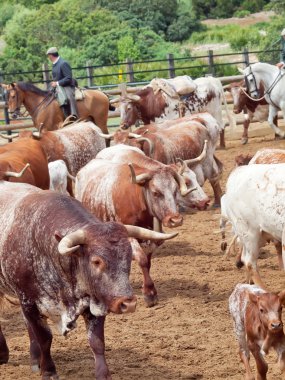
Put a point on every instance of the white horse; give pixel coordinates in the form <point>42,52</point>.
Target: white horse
<point>262,75</point>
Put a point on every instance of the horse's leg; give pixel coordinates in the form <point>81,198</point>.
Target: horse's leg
<point>273,112</point>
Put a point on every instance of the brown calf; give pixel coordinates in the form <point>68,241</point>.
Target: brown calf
<point>258,326</point>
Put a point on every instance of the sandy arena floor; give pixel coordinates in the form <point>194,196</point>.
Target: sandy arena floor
<point>189,334</point>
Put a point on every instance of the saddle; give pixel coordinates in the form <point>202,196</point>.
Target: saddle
<point>79,93</point>
<point>62,98</point>
<point>175,87</point>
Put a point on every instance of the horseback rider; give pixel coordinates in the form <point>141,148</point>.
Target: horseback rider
<point>281,64</point>
<point>63,81</point>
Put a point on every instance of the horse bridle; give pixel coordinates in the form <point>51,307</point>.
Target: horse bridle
<point>17,111</point>
<point>267,92</point>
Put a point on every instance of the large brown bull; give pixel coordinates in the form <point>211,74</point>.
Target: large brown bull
<point>65,264</point>
<point>112,192</point>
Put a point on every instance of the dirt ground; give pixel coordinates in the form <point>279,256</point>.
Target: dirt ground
<point>189,334</point>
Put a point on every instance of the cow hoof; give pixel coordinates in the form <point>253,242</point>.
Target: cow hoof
<point>4,357</point>
<point>244,140</point>
<point>50,377</point>
<point>151,300</point>
<point>224,245</point>
<point>35,367</point>
<point>239,264</point>
<point>221,147</point>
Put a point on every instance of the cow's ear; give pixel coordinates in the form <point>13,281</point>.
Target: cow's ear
<point>58,236</point>
<point>281,296</point>
<point>253,298</point>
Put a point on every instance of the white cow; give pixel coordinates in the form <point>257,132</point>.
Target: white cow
<point>254,203</point>
<point>58,176</point>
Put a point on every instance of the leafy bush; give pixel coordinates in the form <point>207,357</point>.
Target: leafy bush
<point>241,13</point>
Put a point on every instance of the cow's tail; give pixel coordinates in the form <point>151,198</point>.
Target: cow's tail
<point>231,119</point>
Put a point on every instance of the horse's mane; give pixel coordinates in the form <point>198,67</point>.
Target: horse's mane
<point>27,86</point>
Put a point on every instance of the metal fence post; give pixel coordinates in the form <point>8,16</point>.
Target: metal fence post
<point>171,65</point>
<point>89,73</point>
<point>245,57</point>
<point>130,71</point>
<point>46,76</point>
<point>211,62</point>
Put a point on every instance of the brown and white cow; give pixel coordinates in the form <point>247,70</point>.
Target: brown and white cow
<point>149,106</point>
<point>75,144</point>
<point>195,199</point>
<point>257,317</point>
<point>182,138</point>
<point>14,156</point>
<point>250,108</point>
<point>67,263</point>
<point>136,195</point>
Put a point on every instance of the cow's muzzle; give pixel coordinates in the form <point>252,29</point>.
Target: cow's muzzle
<point>202,205</point>
<point>123,305</point>
<point>173,221</point>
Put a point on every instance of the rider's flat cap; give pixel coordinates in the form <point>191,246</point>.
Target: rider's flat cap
<point>283,32</point>
<point>52,50</point>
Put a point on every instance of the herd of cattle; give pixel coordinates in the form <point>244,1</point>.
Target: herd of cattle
<point>67,253</point>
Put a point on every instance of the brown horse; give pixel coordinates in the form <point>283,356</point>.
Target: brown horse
<point>43,107</point>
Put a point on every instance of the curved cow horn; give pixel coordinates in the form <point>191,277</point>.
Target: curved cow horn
<point>71,242</point>
<point>139,179</point>
<point>133,97</point>
<point>38,134</point>
<point>241,70</point>
<point>199,158</point>
<point>145,234</point>
<point>182,184</point>
<point>226,86</point>
<point>16,175</point>
<point>150,143</point>
<point>134,135</point>
<point>183,166</point>
<point>115,100</point>
<point>8,137</point>
<point>105,136</point>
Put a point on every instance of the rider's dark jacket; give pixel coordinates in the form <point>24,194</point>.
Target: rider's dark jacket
<point>62,73</point>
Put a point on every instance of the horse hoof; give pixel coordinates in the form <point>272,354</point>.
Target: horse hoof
<point>244,140</point>
<point>151,300</point>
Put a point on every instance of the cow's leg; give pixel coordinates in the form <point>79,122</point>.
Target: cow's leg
<point>35,351</point>
<point>42,334</point>
<point>244,137</point>
<point>244,357</point>
<point>222,139</point>
<point>144,261</point>
<point>95,333</point>
<point>278,247</point>
<point>4,351</point>
<point>261,364</point>
<point>250,255</point>
<point>273,112</point>
<point>215,183</point>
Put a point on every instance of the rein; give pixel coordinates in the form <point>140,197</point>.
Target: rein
<point>268,91</point>
<point>47,99</point>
